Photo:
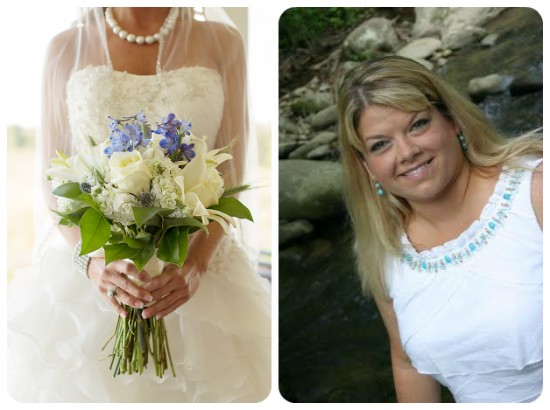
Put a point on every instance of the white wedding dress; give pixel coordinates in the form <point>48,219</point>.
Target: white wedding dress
<point>57,322</point>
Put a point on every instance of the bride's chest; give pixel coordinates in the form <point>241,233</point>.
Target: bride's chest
<point>97,92</point>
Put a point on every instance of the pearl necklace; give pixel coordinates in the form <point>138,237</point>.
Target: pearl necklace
<point>165,29</point>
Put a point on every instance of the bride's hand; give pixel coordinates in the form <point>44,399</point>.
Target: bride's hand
<point>172,288</point>
<point>114,276</point>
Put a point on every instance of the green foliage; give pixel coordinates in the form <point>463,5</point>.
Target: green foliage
<point>233,207</point>
<point>300,27</point>
<point>95,230</point>
<point>138,243</point>
<point>174,245</point>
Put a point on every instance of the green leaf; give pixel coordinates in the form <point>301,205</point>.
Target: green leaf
<point>235,190</point>
<point>95,231</point>
<point>174,245</point>
<point>69,190</point>
<point>233,207</point>
<point>144,214</point>
<point>87,199</point>
<point>116,237</point>
<point>73,217</point>
<point>65,222</point>
<point>136,243</point>
<point>142,256</point>
<point>118,251</point>
<point>170,222</point>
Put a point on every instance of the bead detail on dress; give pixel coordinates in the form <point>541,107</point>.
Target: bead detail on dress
<point>486,231</point>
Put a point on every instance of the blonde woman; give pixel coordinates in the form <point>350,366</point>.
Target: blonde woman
<point>448,222</point>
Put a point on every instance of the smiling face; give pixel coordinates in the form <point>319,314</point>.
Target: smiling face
<point>414,155</point>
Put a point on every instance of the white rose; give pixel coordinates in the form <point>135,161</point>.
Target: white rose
<point>202,178</point>
<point>130,172</point>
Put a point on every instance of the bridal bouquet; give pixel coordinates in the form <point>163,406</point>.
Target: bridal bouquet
<point>138,196</point>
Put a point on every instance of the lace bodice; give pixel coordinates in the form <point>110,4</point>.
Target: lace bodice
<point>192,93</point>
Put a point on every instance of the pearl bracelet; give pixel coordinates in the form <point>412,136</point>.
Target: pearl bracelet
<point>80,262</point>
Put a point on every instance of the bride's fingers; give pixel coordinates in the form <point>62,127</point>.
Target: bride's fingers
<point>159,282</point>
<point>120,311</point>
<point>170,308</point>
<point>166,305</point>
<point>134,292</point>
<point>130,269</point>
<point>127,299</point>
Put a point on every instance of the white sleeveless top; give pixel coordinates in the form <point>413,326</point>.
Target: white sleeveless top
<point>470,311</point>
<point>192,93</point>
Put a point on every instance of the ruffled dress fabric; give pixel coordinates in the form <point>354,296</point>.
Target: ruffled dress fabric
<point>470,311</point>
<point>57,322</point>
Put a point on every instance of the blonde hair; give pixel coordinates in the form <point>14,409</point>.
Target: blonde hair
<point>408,86</point>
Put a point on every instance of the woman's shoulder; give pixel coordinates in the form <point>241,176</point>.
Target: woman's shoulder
<point>536,191</point>
<point>223,35</point>
<point>62,42</point>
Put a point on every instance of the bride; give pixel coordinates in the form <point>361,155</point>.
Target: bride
<point>118,62</point>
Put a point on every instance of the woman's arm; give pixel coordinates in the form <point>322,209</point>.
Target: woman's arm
<point>55,135</point>
<point>174,286</point>
<point>410,386</point>
<point>536,193</point>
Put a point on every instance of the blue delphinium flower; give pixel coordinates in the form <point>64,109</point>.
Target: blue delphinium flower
<point>169,142</point>
<point>114,123</point>
<point>173,129</point>
<point>141,117</point>
<point>128,133</point>
<point>186,151</point>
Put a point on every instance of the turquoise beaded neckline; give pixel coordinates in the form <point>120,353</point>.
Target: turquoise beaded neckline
<point>484,233</point>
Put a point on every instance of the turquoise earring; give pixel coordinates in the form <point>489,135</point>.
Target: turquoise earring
<point>379,189</point>
<point>463,143</point>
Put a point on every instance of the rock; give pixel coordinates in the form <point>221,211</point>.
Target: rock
<point>295,229</point>
<point>463,36</point>
<point>428,21</point>
<point>375,36</point>
<point>323,138</point>
<point>324,118</point>
<point>526,84</point>
<point>288,125</point>
<point>320,152</point>
<point>310,189</point>
<point>421,48</point>
<point>286,148</point>
<point>428,64</point>
<point>490,40</point>
<point>441,61</point>
<point>518,52</point>
<point>309,100</point>
<point>305,106</point>
<point>491,84</point>
<point>447,22</point>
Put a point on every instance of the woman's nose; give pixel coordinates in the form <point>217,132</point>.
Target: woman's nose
<point>407,149</point>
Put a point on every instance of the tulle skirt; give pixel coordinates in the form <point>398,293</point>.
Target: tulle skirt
<point>220,340</point>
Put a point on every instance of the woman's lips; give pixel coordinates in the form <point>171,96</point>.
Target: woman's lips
<point>418,171</point>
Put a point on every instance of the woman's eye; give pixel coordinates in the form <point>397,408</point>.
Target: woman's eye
<point>419,124</point>
<point>377,146</point>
